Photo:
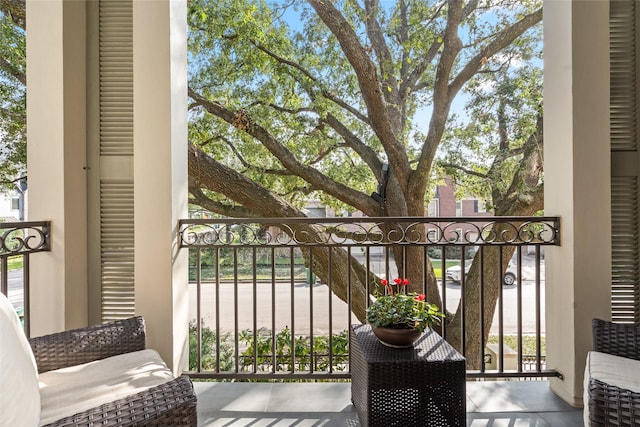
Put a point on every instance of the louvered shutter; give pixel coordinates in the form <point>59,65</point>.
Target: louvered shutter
<point>625,295</point>
<point>624,247</point>
<point>116,154</point>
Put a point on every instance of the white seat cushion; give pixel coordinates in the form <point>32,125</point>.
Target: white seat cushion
<point>614,370</point>
<point>75,389</point>
<point>19,397</point>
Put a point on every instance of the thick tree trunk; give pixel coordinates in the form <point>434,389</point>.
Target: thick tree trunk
<point>474,313</point>
<point>206,173</point>
<point>524,197</point>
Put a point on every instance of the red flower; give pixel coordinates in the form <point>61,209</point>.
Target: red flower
<point>420,297</point>
<point>384,282</point>
<point>397,281</point>
<point>405,282</point>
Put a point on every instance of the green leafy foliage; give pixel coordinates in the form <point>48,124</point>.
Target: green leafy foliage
<point>12,101</point>
<point>208,344</point>
<point>403,311</point>
<point>294,353</point>
<point>291,353</point>
<point>484,151</point>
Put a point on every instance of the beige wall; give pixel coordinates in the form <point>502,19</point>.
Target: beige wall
<point>57,133</point>
<point>57,158</point>
<point>160,174</point>
<point>577,183</point>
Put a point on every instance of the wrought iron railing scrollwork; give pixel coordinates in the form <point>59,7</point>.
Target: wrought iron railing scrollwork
<point>475,231</point>
<point>17,238</point>
<point>21,239</point>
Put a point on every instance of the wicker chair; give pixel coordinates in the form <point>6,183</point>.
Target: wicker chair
<point>170,404</point>
<point>609,404</point>
<point>100,375</point>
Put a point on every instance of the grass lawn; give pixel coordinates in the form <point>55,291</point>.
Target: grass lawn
<point>15,262</point>
<point>437,266</point>
<point>528,343</point>
<point>264,271</point>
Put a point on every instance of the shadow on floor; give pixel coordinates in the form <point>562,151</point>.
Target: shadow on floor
<point>489,404</point>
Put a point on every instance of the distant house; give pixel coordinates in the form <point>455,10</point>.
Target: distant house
<point>11,203</point>
<point>445,205</point>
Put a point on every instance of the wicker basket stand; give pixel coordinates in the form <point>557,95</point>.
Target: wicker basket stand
<point>420,386</point>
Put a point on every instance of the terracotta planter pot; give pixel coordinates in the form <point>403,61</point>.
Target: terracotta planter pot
<point>397,338</point>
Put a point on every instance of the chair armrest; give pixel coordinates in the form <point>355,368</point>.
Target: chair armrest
<point>619,339</point>
<point>78,346</point>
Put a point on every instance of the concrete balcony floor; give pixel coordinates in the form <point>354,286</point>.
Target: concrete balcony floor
<point>490,404</point>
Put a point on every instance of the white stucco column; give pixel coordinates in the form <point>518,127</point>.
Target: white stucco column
<point>56,149</point>
<point>577,183</point>
<point>160,174</point>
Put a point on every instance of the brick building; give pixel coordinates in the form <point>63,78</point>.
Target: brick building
<point>445,205</point>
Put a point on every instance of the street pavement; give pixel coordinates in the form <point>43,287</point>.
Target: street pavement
<point>295,312</point>
<point>15,294</point>
<point>292,305</point>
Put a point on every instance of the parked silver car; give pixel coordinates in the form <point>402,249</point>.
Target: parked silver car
<point>453,274</point>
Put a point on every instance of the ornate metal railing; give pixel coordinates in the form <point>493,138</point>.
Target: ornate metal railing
<point>259,310</point>
<point>371,231</point>
<point>18,240</point>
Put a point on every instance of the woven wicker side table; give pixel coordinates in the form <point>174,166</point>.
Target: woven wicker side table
<point>420,386</point>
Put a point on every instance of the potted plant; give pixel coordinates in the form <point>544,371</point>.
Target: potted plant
<point>398,318</point>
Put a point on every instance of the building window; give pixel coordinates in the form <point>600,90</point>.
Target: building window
<point>458,207</point>
<point>15,203</point>
<point>479,206</point>
<point>434,208</point>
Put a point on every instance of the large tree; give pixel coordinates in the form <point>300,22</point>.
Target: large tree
<point>13,82</point>
<point>300,98</point>
<point>312,98</point>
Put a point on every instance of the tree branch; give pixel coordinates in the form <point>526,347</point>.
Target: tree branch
<point>233,211</point>
<point>207,173</point>
<point>249,166</point>
<point>352,141</point>
<point>441,99</point>
<point>311,175</point>
<point>380,47</point>
<point>402,38</point>
<point>444,92</point>
<point>463,169</point>
<point>326,93</point>
<point>369,85</point>
<point>412,82</point>
<point>503,39</point>
<point>283,109</point>
<point>503,137</point>
<point>306,190</point>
